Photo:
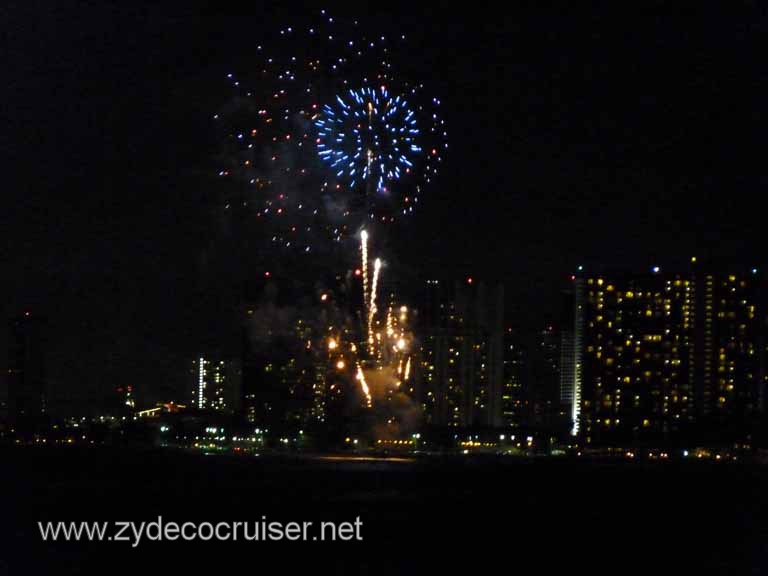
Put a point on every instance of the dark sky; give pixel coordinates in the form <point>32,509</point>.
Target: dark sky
<point>605,136</point>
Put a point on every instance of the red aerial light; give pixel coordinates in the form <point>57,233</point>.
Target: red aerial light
<point>469,280</point>
<point>266,274</point>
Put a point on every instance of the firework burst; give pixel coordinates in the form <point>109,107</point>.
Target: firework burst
<point>325,133</point>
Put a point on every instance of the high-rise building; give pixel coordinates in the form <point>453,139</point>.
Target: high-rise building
<point>462,354</point>
<point>571,353</point>
<point>638,346</point>
<point>545,410</point>
<point>284,378</point>
<point>215,384</point>
<point>728,358</point>
<point>513,398</point>
<point>657,356</point>
<point>26,377</point>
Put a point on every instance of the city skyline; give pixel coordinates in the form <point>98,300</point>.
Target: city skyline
<point>472,286</point>
<point>688,347</point>
<point>524,339</point>
<point>618,154</point>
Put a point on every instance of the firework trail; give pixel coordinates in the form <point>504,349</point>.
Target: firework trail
<point>385,360</point>
<point>364,248</point>
<point>372,306</point>
<point>363,384</point>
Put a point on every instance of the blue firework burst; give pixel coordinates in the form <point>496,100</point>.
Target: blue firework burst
<point>368,135</point>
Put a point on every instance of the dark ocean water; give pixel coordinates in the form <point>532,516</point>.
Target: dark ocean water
<point>434,516</point>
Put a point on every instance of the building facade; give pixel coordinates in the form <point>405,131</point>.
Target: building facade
<point>215,385</point>
<point>660,356</point>
<point>514,400</point>
<point>461,334</point>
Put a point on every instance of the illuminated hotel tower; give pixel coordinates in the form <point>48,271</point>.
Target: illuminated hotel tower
<point>215,384</point>
<point>656,356</point>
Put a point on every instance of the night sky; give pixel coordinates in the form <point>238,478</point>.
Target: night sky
<point>603,137</point>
